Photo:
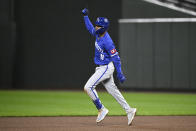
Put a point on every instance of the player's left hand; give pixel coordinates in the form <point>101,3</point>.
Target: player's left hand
<point>121,77</point>
<point>85,11</point>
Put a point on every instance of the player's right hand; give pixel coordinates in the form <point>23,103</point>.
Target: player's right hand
<point>121,77</point>
<point>85,11</point>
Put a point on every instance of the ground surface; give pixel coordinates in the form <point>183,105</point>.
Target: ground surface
<point>111,123</point>
<point>78,103</point>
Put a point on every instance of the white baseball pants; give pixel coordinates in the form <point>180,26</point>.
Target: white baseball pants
<point>104,75</point>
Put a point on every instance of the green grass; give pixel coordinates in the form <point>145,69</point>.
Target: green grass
<point>67,103</point>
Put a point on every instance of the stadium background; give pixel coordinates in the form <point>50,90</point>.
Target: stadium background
<point>44,44</point>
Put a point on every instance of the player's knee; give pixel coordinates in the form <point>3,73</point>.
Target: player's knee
<point>86,88</point>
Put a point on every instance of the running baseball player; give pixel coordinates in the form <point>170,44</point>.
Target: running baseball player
<point>106,57</point>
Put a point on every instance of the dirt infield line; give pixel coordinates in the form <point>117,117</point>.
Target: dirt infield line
<point>111,123</point>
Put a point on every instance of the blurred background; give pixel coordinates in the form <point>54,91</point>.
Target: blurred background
<point>45,45</point>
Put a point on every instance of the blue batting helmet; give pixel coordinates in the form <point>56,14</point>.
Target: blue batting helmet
<point>103,23</point>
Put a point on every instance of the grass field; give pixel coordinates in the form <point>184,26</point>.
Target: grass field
<point>67,103</point>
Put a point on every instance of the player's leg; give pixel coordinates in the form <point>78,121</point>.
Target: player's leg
<point>100,74</point>
<point>113,90</point>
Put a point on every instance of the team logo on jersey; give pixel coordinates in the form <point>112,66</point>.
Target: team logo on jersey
<point>113,51</point>
<point>98,47</point>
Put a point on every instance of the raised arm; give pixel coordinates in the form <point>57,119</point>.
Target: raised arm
<point>88,23</point>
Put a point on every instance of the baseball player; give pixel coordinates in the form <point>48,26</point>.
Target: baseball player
<point>106,57</point>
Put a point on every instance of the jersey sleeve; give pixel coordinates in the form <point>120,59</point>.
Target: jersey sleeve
<point>110,48</point>
<point>114,56</point>
<point>89,25</point>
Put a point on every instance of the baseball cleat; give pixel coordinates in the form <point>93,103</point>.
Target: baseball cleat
<point>130,115</point>
<point>101,115</point>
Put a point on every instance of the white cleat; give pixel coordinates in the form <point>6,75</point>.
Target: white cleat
<point>101,115</point>
<point>130,115</point>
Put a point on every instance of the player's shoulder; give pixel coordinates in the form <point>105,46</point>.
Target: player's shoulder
<point>108,39</point>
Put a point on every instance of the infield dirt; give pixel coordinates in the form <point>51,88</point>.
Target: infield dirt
<point>110,123</point>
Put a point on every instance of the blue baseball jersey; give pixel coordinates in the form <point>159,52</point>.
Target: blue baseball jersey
<point>104,46</point>
<point>104,50</point>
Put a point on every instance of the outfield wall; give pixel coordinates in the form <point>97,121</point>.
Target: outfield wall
<point>44,44</point>
<point>52,48</point>
<point>158,54</point>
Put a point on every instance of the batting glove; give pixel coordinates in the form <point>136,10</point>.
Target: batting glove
<point>85,11</point>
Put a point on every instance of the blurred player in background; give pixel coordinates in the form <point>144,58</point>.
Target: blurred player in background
<point>106,57</point>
